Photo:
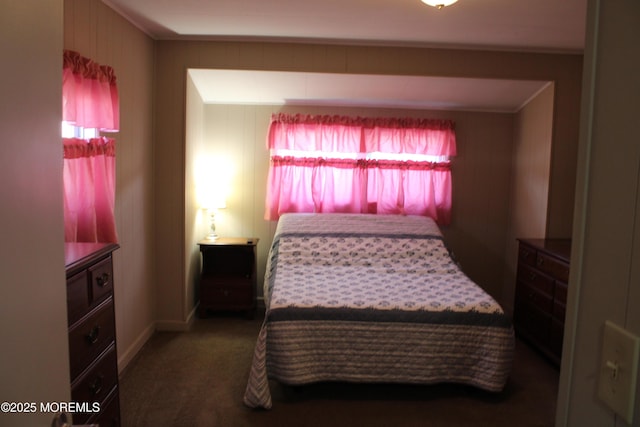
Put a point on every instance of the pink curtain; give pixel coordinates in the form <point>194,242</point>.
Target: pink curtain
<point>90,100</point>
<point>330,169</point>
<point>89,190</point>
<point>89,94</point>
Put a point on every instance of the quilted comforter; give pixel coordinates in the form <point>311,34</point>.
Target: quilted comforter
<point>373,298</point>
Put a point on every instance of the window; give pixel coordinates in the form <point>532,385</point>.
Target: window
<point>90,105</point>
<point>360,165</point>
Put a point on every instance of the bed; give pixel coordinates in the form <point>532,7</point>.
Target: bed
<point>373,299</point>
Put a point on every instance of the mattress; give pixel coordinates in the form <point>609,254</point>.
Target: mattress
<point>373,298</point>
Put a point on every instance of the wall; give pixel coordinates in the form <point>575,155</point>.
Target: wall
<point>605,275</point>
<point>529,192</point>
<point>97,32</point>
<point>197,165</point>
<point>34,360</point>
<point>175,57</point>
<point>481,170</point>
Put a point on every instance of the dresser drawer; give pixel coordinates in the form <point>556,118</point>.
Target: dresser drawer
<point>541,293</point>
<point>97,383</point>
<point>532,322</point>
<point>559,311</point>
<point>535,279</point>
<point>77,297</point>
<point>528,294</point>
<point>527,255</point>
<point>556,336</point>
<point>560,292</point>
<point>101,279</point>
<point>554,267</point>
<point>109,415</point>
<point>93,361</point>
<point>89,337</point>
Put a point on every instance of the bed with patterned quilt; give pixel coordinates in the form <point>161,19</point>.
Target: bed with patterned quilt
<point>377,299</point>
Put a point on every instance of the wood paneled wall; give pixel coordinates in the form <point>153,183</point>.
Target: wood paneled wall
<point>237,134</point>
<point>174,58</point>
<point>97,32</point>
<point>530,180</point>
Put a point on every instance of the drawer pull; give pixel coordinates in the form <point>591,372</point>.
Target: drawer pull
<point>540,262</point>
<point>102,280</point>
<point>532,276</point>
<point>92,336</point>
<point>96,386</point>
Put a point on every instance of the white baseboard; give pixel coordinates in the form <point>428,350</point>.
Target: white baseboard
<point>171,326</point>
<point>134,348</point>
<point>177,325</point>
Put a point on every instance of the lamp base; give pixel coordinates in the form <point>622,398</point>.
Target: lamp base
<point>212,225</point>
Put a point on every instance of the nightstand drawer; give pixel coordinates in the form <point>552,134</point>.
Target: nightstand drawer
<point>101,277</point>
<point>226,282</point>
<point>227,295</point>
<point>90,337</point>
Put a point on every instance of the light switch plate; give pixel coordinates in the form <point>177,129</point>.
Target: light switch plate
<point>618,370</point>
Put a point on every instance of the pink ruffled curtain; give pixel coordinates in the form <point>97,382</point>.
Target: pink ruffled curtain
<point>89,190</point>
<point>90,100</point>
<point>89,94</point>
<point>331,171</point>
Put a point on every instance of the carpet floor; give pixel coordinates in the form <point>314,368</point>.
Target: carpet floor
<point>197,379</point>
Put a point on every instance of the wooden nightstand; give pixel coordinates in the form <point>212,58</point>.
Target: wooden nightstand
<point>228,277</point>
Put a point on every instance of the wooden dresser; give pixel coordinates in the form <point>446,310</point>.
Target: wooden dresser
<point>228,277</point>
<point>541,293</point>
<point>93,360</point>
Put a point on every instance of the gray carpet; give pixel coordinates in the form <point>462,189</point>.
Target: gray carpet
<point>198,378</point>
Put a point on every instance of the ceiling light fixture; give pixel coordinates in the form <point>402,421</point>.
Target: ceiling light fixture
<point>439,4</point>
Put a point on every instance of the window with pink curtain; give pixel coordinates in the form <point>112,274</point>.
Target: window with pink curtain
<point>360,165</point>
<point>90,101</point>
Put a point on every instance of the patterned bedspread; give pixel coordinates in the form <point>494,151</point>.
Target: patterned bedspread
<point>373,298</point>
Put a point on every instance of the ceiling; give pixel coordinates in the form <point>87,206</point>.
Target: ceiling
<point>514,25</point>
<point>356,90</point>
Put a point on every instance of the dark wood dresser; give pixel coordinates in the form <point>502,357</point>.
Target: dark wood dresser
<point>541,293</point>
<point>228,277</point>
<point>93,359</point>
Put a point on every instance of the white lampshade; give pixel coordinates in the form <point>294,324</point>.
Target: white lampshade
<point>439,3</point>
<point>211,197</point>
<point>214,201</point>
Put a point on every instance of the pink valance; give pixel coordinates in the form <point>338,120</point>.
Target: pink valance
<point>341,134</point>
<point>89,94</point>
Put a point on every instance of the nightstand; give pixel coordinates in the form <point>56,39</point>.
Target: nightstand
<point>228,277</point>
